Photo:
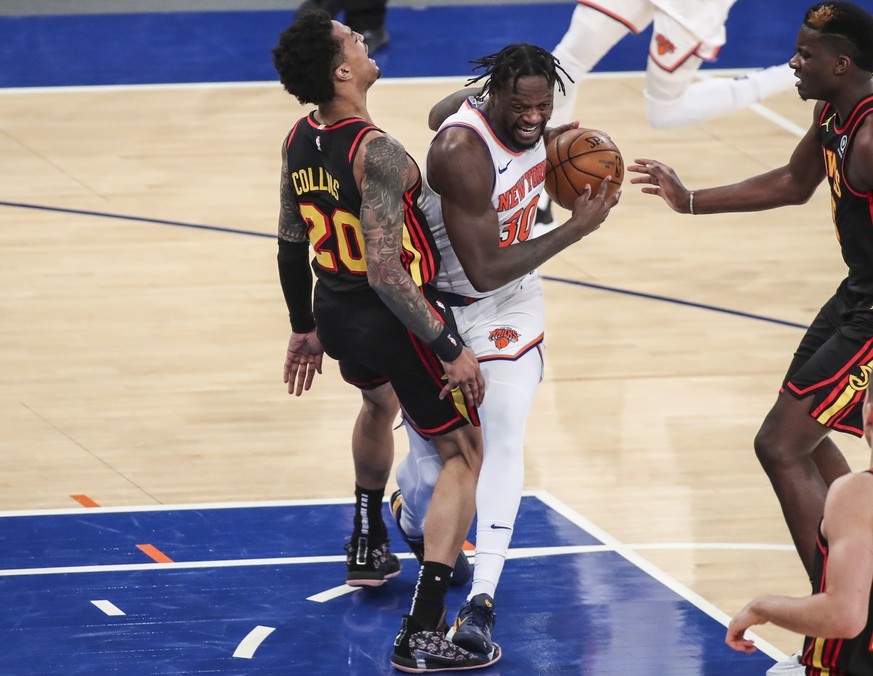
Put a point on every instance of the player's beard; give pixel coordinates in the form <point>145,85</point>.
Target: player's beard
<point>524,141</point>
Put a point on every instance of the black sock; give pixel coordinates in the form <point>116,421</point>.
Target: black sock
<point>430,594</point>
<point>368,516</point>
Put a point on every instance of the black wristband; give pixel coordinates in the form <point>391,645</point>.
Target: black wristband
<point>447,345</point>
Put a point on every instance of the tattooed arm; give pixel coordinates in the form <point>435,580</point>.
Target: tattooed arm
<point>383,171</point>
<point>385,175</point>
<point>304,354</point>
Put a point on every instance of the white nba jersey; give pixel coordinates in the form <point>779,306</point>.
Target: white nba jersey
<point>519,178</point>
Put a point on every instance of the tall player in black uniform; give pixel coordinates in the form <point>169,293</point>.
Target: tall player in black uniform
<point>824,387</point>
<point>837,618</point>
<point>349,190</point>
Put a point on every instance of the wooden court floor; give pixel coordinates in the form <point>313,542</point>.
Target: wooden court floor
<point>142,328</point>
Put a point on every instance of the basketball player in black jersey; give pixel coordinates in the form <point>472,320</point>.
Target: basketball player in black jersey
<point>825,383</point>
<point>350,191</point>
<point>836,619</point>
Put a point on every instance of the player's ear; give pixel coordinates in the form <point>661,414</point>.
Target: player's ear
<point>342,72</point>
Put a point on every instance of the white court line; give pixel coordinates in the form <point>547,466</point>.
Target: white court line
<point>180,508</point>
<point>626,551</point>
<point>459,79</point>
<point>247,647</point>
<point>655,572</point>
<point>516,553</point>
<point>778,119</point>
<point>333,593</point>
<point>109,608</point>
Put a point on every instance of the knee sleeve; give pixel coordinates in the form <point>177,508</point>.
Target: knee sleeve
<point>508,398</point>
<point>417,475</point>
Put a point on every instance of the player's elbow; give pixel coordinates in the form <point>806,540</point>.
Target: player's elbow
<point>853,621</point>
<point>849,619</point>
<point>796,195</point>
<point>483,282</point>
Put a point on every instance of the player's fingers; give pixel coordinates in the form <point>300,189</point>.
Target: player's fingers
<point>641,179</point>
<point>310,374</point>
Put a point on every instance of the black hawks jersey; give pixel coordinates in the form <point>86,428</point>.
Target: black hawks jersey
<point>836,656</point>
<point>320,160</point>
<point>852,210</point>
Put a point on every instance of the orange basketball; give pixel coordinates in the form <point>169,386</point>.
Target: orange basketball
<point>581,157</point>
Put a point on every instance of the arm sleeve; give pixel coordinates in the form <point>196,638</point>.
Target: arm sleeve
<point>295,276</point>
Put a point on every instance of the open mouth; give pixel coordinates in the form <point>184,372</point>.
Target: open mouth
<point>526,131</point>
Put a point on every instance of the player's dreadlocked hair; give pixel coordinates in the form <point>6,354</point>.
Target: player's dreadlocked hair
<point>847,27</point>
<point>515,61</point>
<point>306,56</point>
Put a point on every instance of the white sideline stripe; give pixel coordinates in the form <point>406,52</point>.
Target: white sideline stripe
<point>176,565</point>
<point>247,647</point>
<point>459,79</point>
<point>778,120</point>
<point>108,607</point>
<point>716,545</point>
<point>330,594</point>
<point>175,508</point>
<point>516,553</point>
<point>658,574</point>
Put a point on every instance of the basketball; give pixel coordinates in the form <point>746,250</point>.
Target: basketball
<point>581,157</point>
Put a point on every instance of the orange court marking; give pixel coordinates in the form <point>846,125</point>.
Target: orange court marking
<point>154,553</point>
<point>84,500</point>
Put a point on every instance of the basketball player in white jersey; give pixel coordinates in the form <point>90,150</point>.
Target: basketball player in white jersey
<point>685,34</point>
<point>487,168</point>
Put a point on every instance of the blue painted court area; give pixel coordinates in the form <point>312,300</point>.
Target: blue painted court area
<point>234,46</point>
<point>257,589</point>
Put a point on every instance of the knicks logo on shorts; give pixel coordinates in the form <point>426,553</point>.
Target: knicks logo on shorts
<point>860,382</point>
<point>664,45</point>
<point>503,336</point>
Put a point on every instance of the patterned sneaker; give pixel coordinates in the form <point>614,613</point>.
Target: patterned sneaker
<point>421,652</point>
<point>472,629</point>
<point>366,567</point>
<point>462,571</point>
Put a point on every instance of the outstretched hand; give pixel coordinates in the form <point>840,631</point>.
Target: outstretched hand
<point>661,180</point>
<point>302,361</point>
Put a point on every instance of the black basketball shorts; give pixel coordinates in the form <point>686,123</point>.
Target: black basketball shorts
<point>373,347</point>
<point>834,360</point>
